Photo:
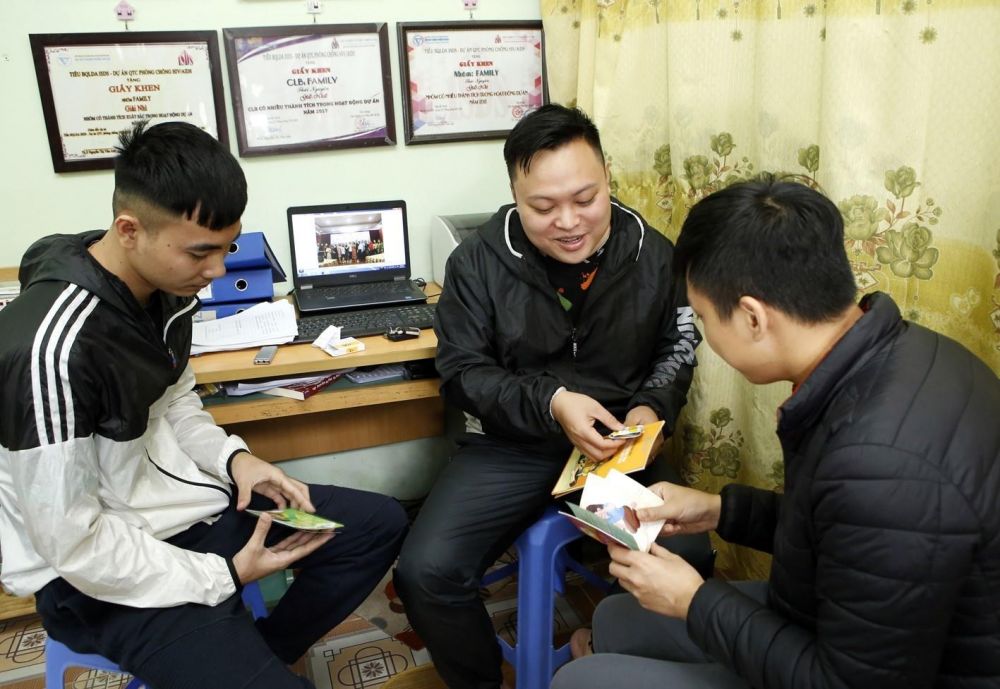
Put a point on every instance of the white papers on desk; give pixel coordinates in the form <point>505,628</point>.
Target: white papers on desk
<point>263,324</point>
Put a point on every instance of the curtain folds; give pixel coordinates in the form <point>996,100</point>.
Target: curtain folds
<point>888,106</point>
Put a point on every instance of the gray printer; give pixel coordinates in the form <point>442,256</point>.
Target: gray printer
<point>447,232</point>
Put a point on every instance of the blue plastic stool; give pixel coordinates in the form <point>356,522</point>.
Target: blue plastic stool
<point>541,565</point>
<point>59,657</point>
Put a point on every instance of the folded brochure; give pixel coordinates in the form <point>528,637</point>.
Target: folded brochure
<point>633,455</point>
<point>607,511</point>
<point>297,519</point>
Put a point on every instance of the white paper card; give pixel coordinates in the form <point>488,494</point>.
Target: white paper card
<point>610,497</point>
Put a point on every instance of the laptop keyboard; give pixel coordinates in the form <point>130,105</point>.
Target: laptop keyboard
<point>364,288</point>
<point>367,322</point>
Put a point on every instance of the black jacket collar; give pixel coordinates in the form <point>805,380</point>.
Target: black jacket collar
<point>881,323</point>
<point>65,258</point>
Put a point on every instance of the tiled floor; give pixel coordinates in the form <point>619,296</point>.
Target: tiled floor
<point>363,652</point>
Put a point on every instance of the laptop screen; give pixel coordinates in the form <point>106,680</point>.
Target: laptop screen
<point>337,244</point>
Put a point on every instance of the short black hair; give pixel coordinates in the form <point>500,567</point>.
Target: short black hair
<point>182,169</point>
<point>772,239</point>
<point>546,129</point>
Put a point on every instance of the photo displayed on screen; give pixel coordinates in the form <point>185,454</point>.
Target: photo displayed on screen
<point>342,243</point>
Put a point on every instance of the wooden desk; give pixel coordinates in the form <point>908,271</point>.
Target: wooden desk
<point>303,359</point>
<point>342,418</point>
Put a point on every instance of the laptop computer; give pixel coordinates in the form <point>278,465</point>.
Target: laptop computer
<point>351,256</point>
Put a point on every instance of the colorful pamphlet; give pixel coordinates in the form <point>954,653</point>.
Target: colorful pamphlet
<point>297,519</point>
<point>633,455</point>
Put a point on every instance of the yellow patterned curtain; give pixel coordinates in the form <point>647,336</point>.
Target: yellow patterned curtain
<point>892,107</point>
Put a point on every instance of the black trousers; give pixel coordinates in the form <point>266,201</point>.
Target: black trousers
<point>482,501</point>
<point>196,646</point>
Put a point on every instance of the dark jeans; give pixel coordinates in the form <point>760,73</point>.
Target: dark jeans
<point>639,649</point>
<point>220,646</point>
<point>482,501</point>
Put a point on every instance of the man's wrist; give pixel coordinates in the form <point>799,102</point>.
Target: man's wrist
<point>644,412</point>
<point>561,389</point>
<point>688,600</point>
<point>232,458</point>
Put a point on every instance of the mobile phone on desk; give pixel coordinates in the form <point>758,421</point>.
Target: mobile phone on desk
<point>265,355</point>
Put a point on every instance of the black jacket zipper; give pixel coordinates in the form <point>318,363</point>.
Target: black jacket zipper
<point>184,480</point>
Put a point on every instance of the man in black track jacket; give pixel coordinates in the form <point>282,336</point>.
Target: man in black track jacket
<point>122,500</point>
<point>886,541</point>
<point>558,318</point>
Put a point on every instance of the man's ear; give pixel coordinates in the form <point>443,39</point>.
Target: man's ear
<point>754,316</point>
<point>126,227</point>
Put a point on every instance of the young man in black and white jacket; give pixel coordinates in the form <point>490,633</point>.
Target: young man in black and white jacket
<point>122,500</point>
<point>558,319</point>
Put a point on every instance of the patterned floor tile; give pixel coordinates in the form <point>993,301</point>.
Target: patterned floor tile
<point>22,644</point>
<point>361,660</point>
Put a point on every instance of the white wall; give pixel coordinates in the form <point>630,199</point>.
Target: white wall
<point>463,177</point>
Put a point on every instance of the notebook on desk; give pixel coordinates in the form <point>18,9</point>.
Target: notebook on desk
<point>351,256</point>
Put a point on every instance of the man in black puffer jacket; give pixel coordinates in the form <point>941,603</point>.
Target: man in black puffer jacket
<point>886,542</point>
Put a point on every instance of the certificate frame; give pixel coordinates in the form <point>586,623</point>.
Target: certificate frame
<point>116,60</point>
<point>472,111</point>
<point>344,117</point>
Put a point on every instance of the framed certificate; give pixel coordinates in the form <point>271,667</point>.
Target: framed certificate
<point>469,80</point>
<point>94,85</point>
<point>312,87</point>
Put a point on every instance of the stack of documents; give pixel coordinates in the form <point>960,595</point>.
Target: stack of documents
<point>263,324</point>
<point>239,388</point>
